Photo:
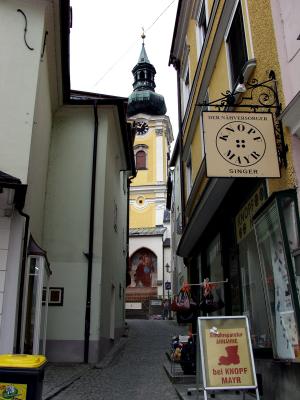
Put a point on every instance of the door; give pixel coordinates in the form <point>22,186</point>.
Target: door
<point>35,306</point>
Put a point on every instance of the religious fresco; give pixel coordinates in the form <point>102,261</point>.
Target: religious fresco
<point>143,269</point>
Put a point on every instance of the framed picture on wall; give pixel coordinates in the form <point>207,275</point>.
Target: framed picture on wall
<point>56,296</point>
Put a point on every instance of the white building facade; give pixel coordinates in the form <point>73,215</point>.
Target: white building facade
<point>65,160</point>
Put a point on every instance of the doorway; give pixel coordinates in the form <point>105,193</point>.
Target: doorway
<point>35,309</point>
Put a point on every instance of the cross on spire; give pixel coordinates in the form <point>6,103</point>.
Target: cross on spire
<point>143,35</point>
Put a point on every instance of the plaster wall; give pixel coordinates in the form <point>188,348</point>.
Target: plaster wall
<point>286,26</point>
<point>66,229</point>
<point>192,42</point>
<point>160,208</point>
<point>266,55</point>
<point>39,153</point>
<point>18,95</point>
<point>114,242</point>
<point>66,233</point>
<point>148,175</point>
<point>142,217</point>
<point>196,150</point>
<point>159,158</point>
<point>178,270</point>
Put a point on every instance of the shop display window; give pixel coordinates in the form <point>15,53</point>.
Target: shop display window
<point>253,295</point>
<point>214,265</point>
<point>277,235</point>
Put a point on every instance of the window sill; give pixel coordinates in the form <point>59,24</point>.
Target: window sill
<point>286,362</point>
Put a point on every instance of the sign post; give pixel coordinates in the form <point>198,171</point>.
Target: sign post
<point>226,354</point>
<point>168,288</point>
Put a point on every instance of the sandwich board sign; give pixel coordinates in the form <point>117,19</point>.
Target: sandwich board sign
<point>226,354</point>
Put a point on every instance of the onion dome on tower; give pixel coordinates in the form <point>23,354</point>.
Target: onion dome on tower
<point>143,99</point>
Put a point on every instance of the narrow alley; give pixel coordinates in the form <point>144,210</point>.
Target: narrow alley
<point>132,371</point>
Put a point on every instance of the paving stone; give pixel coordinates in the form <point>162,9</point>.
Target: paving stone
<point>132,371</point>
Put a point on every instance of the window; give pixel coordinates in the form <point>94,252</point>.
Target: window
<point>185,89</point>
<point>140,154</point>
<point>189,174</point>
<point>206,100</point>
<point>140,160</point>
<point>185,79</point>
<point>202,26</point>
<point>236,45</point>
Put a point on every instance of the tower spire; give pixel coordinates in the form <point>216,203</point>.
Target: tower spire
<point>143,98</point>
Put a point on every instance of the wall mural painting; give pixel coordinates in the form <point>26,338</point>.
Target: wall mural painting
<point>143,269</point>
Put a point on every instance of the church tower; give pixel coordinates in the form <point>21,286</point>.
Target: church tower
<point>149,234</point>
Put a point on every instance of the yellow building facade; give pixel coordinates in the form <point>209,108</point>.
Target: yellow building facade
<point>240,217</point>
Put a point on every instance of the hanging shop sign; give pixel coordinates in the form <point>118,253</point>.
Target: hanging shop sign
<point>226,353</point>
<point>240,144</point>
<point>244,218</point>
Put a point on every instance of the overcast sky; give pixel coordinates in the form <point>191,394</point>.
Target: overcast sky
<point>106,43</point>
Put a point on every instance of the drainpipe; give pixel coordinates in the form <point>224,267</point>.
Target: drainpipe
<point>22,279</point>
<point>89,255</point>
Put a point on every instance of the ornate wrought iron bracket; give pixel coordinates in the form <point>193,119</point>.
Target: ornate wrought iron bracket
<point>256,97</point>
<point>25,29</point>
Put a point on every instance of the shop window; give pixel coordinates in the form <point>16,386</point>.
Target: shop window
<point>236,45</point>
<point>215,268</point>
<point>252,293</point>
<point>277,235</point>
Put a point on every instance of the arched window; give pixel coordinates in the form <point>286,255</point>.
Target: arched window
<point>140,159</point>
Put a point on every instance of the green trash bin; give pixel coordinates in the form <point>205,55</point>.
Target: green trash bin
<point>21,376</point>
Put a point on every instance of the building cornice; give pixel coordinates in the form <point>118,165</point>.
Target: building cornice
<point>149,188</point>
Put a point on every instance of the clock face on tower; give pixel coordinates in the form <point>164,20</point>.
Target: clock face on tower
<point>240,143</point>
<point>141,128</point>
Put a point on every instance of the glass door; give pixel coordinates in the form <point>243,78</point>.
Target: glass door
<point>35,306</point>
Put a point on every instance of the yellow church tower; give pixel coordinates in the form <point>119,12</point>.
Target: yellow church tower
<point>149,233</point>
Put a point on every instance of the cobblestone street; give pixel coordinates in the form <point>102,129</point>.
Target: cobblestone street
<point>132,371</point>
